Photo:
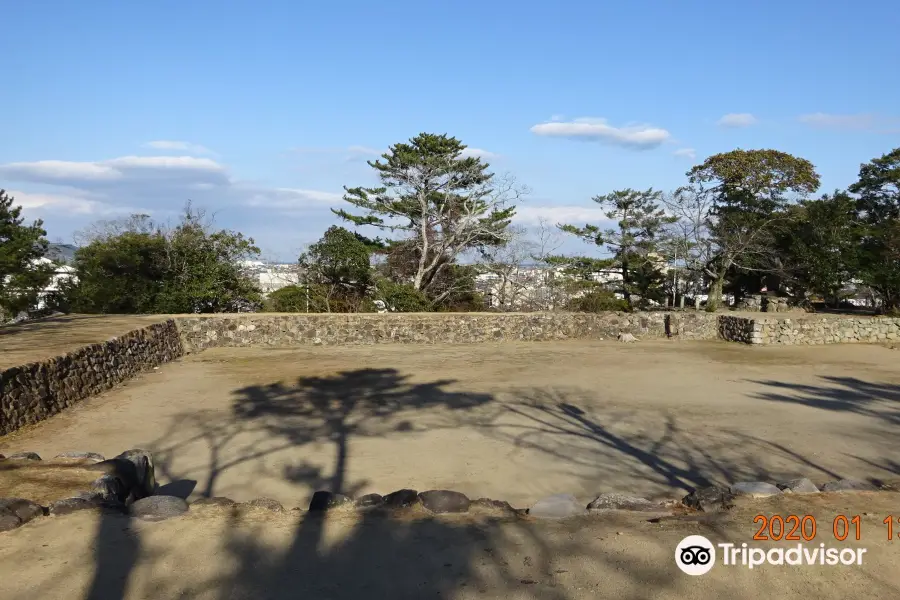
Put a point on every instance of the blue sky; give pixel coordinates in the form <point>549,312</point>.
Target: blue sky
<point>261,111</point>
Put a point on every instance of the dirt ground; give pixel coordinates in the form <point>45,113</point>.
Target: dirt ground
<point>53,336</point>
<point>514,421</point>
<point>207,555</point>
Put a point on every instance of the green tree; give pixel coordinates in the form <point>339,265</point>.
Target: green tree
<point>731,209</point>
<point>22,274</point>
<point>821,245</point>
<point>634,243</point>
<point>138,266</point>
<point>443,202</point>
<point>340,263</point>
<point>878,207</point>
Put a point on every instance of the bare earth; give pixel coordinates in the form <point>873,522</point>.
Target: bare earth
<point>514,421</point>
<point>54,336</point>
<point>208,555</point>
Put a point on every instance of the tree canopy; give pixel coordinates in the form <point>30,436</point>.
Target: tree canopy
<point>22,274</point>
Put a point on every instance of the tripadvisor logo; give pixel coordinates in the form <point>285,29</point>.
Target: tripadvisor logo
<point>695,555</point>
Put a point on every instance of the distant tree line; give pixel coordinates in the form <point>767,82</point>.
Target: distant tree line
<point>744,221</point>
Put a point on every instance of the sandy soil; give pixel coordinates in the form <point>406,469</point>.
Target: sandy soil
<point>53,336</point>
<point>514,421</point>
<point>266,556</point>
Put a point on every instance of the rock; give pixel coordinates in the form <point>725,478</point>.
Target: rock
<point>266,503</point>
<point>614,501</point>
<point>848,485</point>
<point>158,508</point>
<point>401,499</point>
<point>709,499</point>
<point>558,506</point>
<point>81,456</point>
<point>110,487</point>
<point>499,508</point>
<point>369,501</point>
<point>754,489</point>
<point>86,501</point>
<point>8,521</point>
<point>626,338</point>
<point>143,462</point>
<point>24,510</point>
<point>444,501</point>
<point>214,501</point>
<point>798,486</point>
<point>123,470</point>
<point>323,500</point>
<point>24,456</point>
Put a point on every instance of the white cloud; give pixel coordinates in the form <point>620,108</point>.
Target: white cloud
<point>163,183</point>
<point>179,147</point>
<point>364,150</point>
<point>532,215</point>
<point>686,152</point>
<point>635,136</point>
<point>736,120</point>
<point>73,203</point>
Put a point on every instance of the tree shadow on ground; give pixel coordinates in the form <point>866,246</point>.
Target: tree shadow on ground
<point>840,394</point>
<point>41,324</point>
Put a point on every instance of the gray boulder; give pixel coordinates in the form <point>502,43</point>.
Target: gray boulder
<point>158,508</point>
<point>146,474</point>
<point>24,456</point>
<point>401,499</point>
<point>369,501</point>
<point>498,508</point>
<point>798,486</point>
<point>713,498</point>
<point>110,487</point>
<point>754,489</point>
<point>8,521</point>
<point>559,506</point>
<point>323,500</point>
<point>444,501</point>
<point>266,503</point>
<point>214,501</point>
<point>848,485</point>
<point>84,501</point>
<point>23,509</point>
<point>81,456</point>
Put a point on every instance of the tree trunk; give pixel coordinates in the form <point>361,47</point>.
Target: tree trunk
<point>715,293</point>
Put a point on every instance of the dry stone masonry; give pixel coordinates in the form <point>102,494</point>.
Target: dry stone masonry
<point>201,332</point>
<point>36,391</point>
<point>33,392</point>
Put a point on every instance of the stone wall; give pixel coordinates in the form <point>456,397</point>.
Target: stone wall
<point>736,329</point>
<point>825,330</point>
<point>33,392</point>
<point>201,332</point>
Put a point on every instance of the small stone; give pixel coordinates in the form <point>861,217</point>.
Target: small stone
<point>848,485</point>
<point>86,501</point>
<point>158,508</point>
<point>81,456</point>
<point>798,486</point>
<point>266,503</point>
<point>369,501</point>
<point>24,509</point>
<point>9,521</point>
<point>614,501</point>
<point>444,501</point>
<point>709,499</point>
<point>401,498</point>
<point>495,507</point>
<point>323,500</point>
<point>110,487</point>
<point>24,456</point>
<point>214,501</point>
<point>558,506</point>
<point>754,489</point>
